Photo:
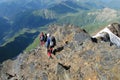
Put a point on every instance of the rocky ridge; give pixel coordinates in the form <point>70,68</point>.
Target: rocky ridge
<point>76,57</point>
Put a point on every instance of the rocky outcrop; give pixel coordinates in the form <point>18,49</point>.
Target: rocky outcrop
<point>115,28</point>
<point>111,33</point>
<point>76,57</point>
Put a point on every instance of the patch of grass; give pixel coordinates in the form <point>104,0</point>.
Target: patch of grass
<point>33,45</point>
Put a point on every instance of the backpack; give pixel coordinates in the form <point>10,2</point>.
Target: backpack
<point>52,41</point>
<point>45,38</point>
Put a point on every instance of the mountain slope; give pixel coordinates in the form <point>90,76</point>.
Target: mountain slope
<point>14,48</point>
<point>64,7</point>
<point>30,20</point>
<point>6,6</point>
<point>94,4</point>
<point>92,17</point>
<point>80,58</point>
<point>5,28</point>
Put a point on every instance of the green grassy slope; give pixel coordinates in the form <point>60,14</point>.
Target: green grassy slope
<point>80,19</point>
<point>35,43</point>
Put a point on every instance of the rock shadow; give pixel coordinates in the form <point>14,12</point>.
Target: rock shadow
<point>58,49</point>
<point>65,67</point>
<point>94,40</point>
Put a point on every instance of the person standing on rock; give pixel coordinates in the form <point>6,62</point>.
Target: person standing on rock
<point>48,45</point>
<point>52,44</point>
<point>48,41</point>
<point>42,39</point>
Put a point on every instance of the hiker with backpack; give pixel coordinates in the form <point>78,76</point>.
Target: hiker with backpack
<point>42,39</point>
<point>47,41</point>
<point>50,43</point>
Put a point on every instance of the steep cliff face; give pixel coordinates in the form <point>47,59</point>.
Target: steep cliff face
<point>76,57</point>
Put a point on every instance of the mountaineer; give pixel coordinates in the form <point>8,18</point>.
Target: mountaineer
<point>50,43</point>
<point>47,45</point>
<point>42,39</point>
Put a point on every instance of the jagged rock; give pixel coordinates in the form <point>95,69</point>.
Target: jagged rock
<point>115,28</point>
<point>110,33</point>
<point>82,36</point>
<point>44,76</point>
<point>76,57</point>
<point>62,73</point>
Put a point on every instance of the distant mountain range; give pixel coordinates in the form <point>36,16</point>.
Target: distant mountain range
<point>35,13</point>
<point>32,13</point>
<point>11,7</point>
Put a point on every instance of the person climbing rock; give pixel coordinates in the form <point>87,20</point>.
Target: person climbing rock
<point>42,39</point>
